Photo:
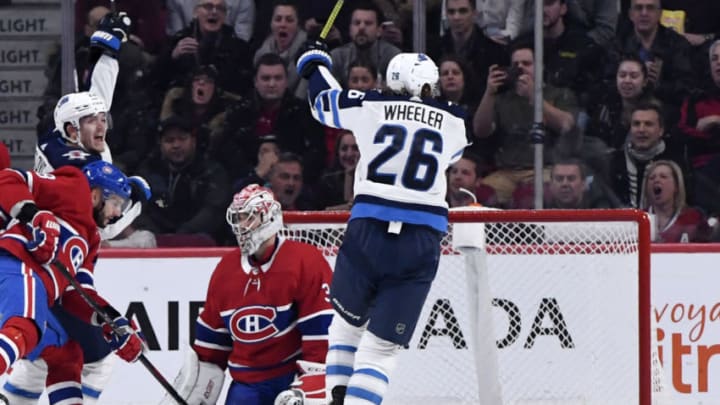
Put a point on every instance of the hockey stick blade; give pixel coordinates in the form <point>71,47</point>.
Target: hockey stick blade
<point>105,317</point>
<point>331,19</point>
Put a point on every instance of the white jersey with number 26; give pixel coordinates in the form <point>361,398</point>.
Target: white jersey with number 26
<point>406,145</point>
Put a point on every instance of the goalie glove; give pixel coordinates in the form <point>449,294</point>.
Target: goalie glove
<point>315,53</point>
<point>308,387</point>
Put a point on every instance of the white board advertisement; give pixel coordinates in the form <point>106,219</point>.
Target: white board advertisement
<point>164,294</point>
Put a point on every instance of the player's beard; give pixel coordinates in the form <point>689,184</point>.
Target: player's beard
<point>98,214</point>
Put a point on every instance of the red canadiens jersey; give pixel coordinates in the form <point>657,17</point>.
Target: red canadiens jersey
<point>65,193</point>
<point>689,225</point>
<point>258,321</point>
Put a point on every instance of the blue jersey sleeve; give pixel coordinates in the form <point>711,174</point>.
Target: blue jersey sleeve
<point>57,153</point>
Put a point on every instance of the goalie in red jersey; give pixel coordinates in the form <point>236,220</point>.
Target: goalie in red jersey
<point>265,318</point>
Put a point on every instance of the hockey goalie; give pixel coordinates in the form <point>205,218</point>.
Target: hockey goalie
<point>265,318</point>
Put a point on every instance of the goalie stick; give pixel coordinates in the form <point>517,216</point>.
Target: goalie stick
<point>105,317</point>
<point>331,19</point>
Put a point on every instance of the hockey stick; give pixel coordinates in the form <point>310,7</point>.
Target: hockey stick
<point>331,19</point>
<point>105,317</point>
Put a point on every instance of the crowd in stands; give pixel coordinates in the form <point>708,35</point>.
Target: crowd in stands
<point>208,101</point>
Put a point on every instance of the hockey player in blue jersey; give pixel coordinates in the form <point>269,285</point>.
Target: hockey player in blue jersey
<point>390,253</point>
<point>81,122</point>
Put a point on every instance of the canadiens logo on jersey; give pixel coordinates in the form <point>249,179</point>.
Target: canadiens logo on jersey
<point>253,324</point>
<point>73,250</point>
<point>76,154</point>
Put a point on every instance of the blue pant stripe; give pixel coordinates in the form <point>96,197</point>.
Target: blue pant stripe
<point>21,392</point>
<point>339,370</point>
<point>364,394</point>
<point>343,348</point>
<point>373,373</point>
<point>90,392</point>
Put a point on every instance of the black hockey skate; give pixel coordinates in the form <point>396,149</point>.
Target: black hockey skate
<point>338,395</point>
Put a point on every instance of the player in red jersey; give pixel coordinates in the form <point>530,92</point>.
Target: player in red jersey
<point>51,218</point>
<point>4,156</point>
<point>265,317</point>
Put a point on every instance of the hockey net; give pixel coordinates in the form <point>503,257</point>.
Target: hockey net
<point>528,307</point>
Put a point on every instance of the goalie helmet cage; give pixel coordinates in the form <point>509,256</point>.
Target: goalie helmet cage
<point>528,307</point>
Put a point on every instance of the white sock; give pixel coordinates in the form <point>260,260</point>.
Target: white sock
<point>343,340</point>
<point>375,361</point>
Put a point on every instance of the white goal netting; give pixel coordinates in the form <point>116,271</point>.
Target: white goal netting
<point>528,310</point>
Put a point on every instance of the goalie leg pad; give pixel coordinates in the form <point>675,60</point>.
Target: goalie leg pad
<point>198,382</point>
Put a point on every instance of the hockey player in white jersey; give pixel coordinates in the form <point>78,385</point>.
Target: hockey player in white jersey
<point>390,253</point>
<point>81,122</point>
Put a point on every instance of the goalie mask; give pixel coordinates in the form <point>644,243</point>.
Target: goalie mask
<point>410,73</point>
<point>254,216</point>
<point>72,107</point>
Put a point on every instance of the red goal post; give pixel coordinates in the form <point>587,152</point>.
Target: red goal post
<point>534,307</point>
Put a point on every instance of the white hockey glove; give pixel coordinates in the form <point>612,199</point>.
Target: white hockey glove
<point>308,387</point>
<point>198,382</point>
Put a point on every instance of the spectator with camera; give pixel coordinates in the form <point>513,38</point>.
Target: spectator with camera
<point>206,40</point>
<point>506,112</point>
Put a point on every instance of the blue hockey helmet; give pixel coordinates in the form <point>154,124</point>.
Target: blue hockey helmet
<point>109,178</point>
